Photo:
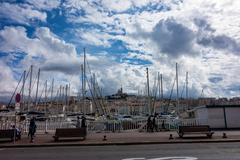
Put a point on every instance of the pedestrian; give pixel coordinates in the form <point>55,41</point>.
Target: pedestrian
<point>17,132</point>
<point>83,123</point>
<point>78,125</point>
<point>149,124</point>
<point>154,125</point>
<point>163,125</point>
<point>32,129</point>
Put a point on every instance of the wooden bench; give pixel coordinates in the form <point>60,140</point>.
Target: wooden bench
<point>70,133</point>
<point>9,134</point>
<point>200,129</point>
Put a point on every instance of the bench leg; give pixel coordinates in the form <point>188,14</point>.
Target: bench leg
<point>55,139</point>
<point>209,135</point>
<point>180,135</point>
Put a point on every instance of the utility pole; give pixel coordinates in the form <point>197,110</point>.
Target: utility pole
<point>30,86</point>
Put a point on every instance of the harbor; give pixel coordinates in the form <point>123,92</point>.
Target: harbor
<point>54,107</point>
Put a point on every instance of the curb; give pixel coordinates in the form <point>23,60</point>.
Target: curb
<point>116,143</point>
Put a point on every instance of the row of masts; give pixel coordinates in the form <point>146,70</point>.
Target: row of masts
<point>151,108</point>
<point>63,92</point>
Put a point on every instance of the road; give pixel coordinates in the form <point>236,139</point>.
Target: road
<point>194,151</point>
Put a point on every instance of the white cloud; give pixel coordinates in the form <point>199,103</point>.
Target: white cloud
<point>7,82</point>
<point>45,4</point>
<point>45,44</point>
<point>56,58</point>
<point>95,37</point>
<point>221,16</point>
<point>210,63</point>
<point>22,13</point>
<point>117,5</point>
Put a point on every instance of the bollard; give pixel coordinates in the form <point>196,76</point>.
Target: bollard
<point>224,135</point>
<point>104,138</point>
<point>170,136</point>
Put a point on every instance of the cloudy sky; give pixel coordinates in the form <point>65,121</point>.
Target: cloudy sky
<point>122,38</point>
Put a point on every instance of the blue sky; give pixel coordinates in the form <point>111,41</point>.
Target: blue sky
<point>122,38</point>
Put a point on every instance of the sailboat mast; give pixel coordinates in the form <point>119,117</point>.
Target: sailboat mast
<point>46,97</point>
<point>148,93</point>
<point>84,79</point>
<point>177,88</point>
<point>58,99</point>
<point>52,92</point>
<point>187,88</point>
<point>30,86</point>
<point>161,86</point>
<point>82,106</point>
<point>38,76</point>
<point>23,86</point>
<point>66,95</point>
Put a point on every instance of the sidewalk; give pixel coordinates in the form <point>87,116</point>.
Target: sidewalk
<point>123,138</point>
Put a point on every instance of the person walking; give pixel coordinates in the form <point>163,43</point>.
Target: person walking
<point>32,129</point>
<point>163,125</point>
<point>83,123</point>
<point>154,125</point>
<point>149,124</point>
<point>78,125</point>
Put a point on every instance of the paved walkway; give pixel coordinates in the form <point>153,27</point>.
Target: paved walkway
<point>123,138</point>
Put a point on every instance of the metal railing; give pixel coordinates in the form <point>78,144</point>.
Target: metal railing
<point>104,125</point>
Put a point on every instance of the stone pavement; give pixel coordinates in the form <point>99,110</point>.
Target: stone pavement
<point>123,138</point>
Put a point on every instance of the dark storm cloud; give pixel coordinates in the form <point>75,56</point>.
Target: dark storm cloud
<point>176,39</point>
<point>207,38</point>
<point>173,38</point>
<point>203,25</point>
<point>64,67</point>
<point>215,79</point>
<point>220,42</point>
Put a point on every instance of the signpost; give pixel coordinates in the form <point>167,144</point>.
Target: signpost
<point>17,98</point>
<point>17,109</point>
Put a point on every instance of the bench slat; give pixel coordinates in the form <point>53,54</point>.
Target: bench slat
<point>201,129</point>
<point>70,133</point>
<point>8,133</point>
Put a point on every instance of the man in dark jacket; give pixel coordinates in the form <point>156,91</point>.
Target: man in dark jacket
<point>83,123</point>
<point>32,128</point>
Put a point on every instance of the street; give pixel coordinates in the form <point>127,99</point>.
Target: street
<point>192,151</point>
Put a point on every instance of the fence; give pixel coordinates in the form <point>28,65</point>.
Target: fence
<point>104,126</point>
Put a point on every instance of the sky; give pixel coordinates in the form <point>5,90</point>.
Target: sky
<point>122,38</point>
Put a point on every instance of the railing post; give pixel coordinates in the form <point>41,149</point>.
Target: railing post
<point>26,125</point>
<point>46,127</point>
